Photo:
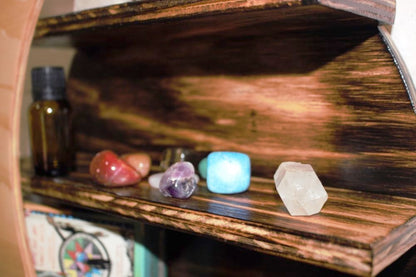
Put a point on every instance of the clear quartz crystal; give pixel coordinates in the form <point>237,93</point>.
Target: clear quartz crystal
<point>300,188</point>
<point>179,181</point>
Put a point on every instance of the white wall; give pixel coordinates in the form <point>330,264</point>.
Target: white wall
<point>404,34</point>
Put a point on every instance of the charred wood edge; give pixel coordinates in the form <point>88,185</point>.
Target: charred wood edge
<point>380,10</point>
<point>400,63</point>
<point>150,11</point>
<point>364,258</point>
<point>385,252</point>
<point>237,232</point>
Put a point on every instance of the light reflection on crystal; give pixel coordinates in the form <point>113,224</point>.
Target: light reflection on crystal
<point>179,181</point>
<point>300,188</point>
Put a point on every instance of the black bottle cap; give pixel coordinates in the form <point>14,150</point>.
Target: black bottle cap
<point>48,83</point>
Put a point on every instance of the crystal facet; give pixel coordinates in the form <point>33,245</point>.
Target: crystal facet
<point>228,172</point>
<point>154,179</point>
<point>300,188</point>
<point>179,181</point>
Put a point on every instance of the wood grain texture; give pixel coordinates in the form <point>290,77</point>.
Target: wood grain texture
<point>381,10</point>
<point>338,238</point>
<point>17,24</point>
<point>304,83</point>
<point>150,11</point>
<point>305,90</point>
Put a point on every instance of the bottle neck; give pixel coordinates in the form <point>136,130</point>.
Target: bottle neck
<point>49,95</point>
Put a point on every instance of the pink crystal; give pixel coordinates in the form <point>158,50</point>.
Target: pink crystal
<point>179,181</point>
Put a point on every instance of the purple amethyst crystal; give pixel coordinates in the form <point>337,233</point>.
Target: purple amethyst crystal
<point>179,181</point>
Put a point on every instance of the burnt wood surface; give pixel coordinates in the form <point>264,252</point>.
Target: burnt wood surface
<point>381,10</point>
<point>320,89</point>
<point>356,232</point>
<point>162,10</point>
<point>278,80</point>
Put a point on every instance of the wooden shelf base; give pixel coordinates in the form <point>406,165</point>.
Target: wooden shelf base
<point>356,232</point>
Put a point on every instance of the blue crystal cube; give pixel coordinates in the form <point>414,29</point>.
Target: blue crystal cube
<point>228,172</point>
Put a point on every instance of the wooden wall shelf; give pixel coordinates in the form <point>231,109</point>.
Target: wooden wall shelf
<point>148,75</point>
<point>356,232</point>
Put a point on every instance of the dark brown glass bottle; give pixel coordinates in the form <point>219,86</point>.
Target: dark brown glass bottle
<point>50,122</point>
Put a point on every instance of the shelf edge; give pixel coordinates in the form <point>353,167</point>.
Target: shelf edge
<point>380,10</point>
<point>145,12</point>
<point>332,254</point>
